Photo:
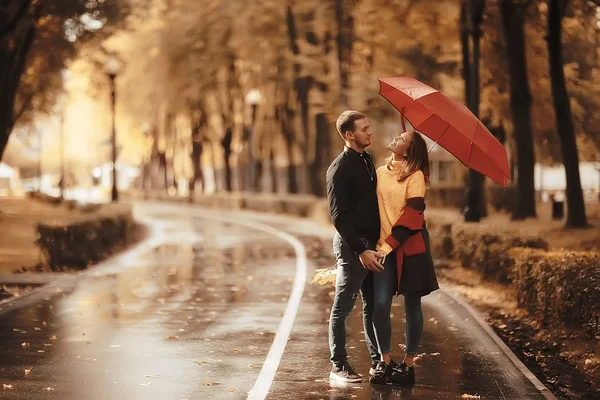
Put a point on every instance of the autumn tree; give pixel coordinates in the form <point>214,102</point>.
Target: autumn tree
<point>564,121</point>
<point>37,39</point>
<point>475,9</point>
<point>513,20</point>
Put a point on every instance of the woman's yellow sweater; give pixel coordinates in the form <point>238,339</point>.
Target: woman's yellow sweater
<point>392,196</point>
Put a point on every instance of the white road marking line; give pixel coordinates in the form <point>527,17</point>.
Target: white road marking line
<point>267,373</point>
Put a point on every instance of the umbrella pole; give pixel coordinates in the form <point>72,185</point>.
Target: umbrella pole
<point>431,148</point>
<point>438,139</point>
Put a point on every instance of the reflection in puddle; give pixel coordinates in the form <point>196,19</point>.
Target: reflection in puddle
<point>150,319</point>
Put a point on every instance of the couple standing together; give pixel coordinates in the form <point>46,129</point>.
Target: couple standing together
<point>381,247</point>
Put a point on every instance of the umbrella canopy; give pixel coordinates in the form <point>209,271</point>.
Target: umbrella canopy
<point>450,124</point>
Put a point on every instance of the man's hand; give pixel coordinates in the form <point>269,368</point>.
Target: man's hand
<point>380,254</point>
<point>369,260</point>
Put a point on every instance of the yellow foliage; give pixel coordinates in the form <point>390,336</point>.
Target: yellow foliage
<point>325,276</point>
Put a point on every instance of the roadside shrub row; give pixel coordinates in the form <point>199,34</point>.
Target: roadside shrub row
<point>86,240</point>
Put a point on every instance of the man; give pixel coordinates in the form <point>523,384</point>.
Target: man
<point>352,196</point>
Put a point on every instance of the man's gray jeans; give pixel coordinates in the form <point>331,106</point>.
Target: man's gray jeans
<point>352,277</point>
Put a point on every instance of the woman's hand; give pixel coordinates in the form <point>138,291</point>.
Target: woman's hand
<point>369,260</point>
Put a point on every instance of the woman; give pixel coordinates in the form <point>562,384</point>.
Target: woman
<point>408,267</point>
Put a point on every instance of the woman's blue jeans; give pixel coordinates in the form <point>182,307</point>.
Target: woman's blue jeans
<point>384,285</point>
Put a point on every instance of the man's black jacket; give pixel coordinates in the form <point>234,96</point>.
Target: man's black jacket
<point>352,196</point>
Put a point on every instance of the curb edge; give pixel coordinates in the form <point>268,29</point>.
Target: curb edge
<point>477,316</point>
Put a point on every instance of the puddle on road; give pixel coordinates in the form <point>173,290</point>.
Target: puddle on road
<point>186,295</point>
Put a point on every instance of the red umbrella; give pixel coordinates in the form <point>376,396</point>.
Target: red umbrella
<point>450,124</point>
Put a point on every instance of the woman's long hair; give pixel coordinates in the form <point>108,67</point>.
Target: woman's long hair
<point>417,158</point>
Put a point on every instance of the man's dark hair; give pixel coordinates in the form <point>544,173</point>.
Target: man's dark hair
<point>345,122</point>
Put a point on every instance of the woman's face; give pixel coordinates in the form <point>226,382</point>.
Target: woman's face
<point>400,144</point>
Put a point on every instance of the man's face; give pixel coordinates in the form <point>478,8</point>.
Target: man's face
<point>361,134</point>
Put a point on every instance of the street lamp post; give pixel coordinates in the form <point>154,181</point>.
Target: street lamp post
<point>253,99</point>
<point>40,153</point>
<point>61,182</point>
<point>111,68</point>
<point>598,169</point>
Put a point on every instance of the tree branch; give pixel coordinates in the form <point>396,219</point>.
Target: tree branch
<point>12,23</point>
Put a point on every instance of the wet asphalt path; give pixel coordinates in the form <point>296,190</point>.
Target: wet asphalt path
<point>192,314</point>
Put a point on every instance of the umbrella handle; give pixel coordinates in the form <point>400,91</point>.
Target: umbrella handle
<point>402,119</point>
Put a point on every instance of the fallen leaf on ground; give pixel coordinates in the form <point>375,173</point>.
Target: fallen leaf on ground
<point>53,337</point>
<point>470,396</point>
<point>146,384</point>
<point>27,371</point>
<point>172,337</point>
<point>5,386</point>
<point>49,389</point>
<point>208,383</point>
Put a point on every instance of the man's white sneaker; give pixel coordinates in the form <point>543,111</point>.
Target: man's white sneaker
<point>344,373</point>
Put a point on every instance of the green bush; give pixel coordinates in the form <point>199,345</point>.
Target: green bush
<point>488,253</point>
<point>559,286</point>
<point>87,241</point>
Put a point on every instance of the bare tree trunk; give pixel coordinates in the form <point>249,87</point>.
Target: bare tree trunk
<point>576,216</point>
<point>197,148</point>
<point>475,204</point>
<point>217,181</point>
<point>17,32</point>
<point>162,162</point>
<point>319,164</point>
<point>172,182</point>
<point>226,144</point>
<point>344,39</point>
<point>513,19</point>
<point>287,115</point>
<point>262,161</point>
<point>466,49</point>
<point>273,168</point>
